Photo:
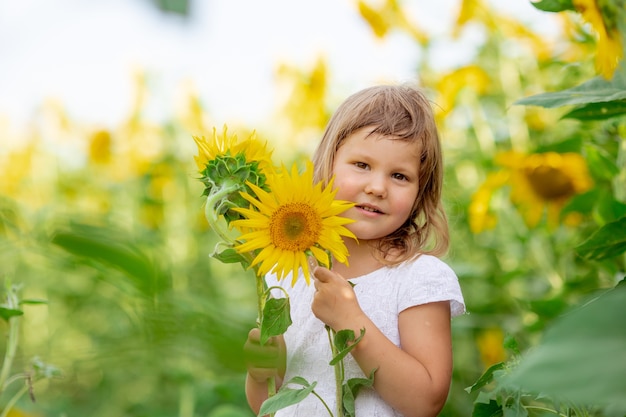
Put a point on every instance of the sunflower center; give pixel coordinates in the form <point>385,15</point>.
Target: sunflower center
<point>295,227</point>
<point>550,183</point>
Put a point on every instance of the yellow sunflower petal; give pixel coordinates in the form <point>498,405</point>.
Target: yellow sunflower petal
<point>296,217</point>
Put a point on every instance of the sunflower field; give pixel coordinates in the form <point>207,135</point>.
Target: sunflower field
<point>112,305</point>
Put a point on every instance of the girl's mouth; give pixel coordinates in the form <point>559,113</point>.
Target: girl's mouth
<point>369,209</point>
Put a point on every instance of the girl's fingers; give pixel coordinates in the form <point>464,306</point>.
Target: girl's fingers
<point>322,274</point>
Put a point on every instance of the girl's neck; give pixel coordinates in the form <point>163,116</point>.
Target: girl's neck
<point>361,260</point>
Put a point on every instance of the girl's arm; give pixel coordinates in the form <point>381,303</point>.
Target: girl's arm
<point>414,379</point>
<point>263,363</point>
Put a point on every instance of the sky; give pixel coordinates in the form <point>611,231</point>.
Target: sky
<point>84,53</point>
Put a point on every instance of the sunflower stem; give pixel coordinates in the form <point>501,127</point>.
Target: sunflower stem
<point>12,302</point>
<point>260,291</point>
<point>339,375</point>
<point>210,210</point>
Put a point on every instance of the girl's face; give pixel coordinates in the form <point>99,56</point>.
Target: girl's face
<point>380,175</point>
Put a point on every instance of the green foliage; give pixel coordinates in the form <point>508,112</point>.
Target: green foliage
<point>607,242</point>
<point>180,7</point>
<point>7,313</point>
<point>351,389</point>
<point>287,395</point>
<point>582,356</point>
<point>276,318</point>
<point>598,111</point>
<point>344,341</point>
<point>553,5</point>
<point>596,90</point>
<point>97,244</point>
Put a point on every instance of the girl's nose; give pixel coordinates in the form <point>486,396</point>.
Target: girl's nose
<point>376,186</point>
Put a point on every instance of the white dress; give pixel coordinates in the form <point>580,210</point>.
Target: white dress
<point>382,294</point>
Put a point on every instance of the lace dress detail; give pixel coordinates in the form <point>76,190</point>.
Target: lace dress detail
<point>382,294</point>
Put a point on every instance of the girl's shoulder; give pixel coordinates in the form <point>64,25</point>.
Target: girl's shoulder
<point>424,266</point>
<point>421,280</point>
<point>428,265</point>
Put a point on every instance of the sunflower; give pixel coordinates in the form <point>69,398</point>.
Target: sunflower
<point>539,182</point>
<point>227,165</point>
<point>296,219</point>
<point>603,20</point>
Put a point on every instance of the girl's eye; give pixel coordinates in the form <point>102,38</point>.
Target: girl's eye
<point>361,165</point>
<point>401,177</point>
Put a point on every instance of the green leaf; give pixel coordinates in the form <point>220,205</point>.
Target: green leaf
<point>33,301</point>
<point>351,389</point>
<point>344,342</point>
<point>598,111</point>
<point>582,357</point>
<point>490,409</point>
<point>596,90</point>
<point>485,378</point>
<point>513,406</point>
<point>582,203</point>
<point>180,7</point>
<point>104,246</point>
<point>607,242</point>
<point>276,318</point>
<point>608,209</point>
<point>510,344</point>
<point>230,256</point>
<point>287,396</point>
<point>600,162</point>
<point>573,144</point>
<point>553,5</point>
<point>7,313</point>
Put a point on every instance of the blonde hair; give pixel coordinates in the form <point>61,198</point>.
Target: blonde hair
<point>400,112</point>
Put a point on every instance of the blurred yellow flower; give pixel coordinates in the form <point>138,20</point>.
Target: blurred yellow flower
<point>100,144</point>
<point>514,29</point>
<point>296,219</point>
<point>538,183</point>
<point>377,21</point>
<point>306,105</point>
<point>490,343</point>
<point>449,86</point>
<point>473,10</point>
<point>610,49</point>
<point>480,216</point>
<point>389,16</point>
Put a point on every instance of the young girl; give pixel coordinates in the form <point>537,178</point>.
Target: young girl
<point>383,148</point>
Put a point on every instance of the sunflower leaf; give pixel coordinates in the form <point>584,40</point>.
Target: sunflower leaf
<point>587,343</point>
<point>287,396</point>
<point>276,318</point>
<point>486,377</point>
<point>230,256</point>
<point>350,390</point>
<point>8,313</point>
<point>596,90</point>
<point>344,342</point>
<point>597,111</point>
<point>600,162</point>
<point>554,6</point>
<point>33,301</point>
<point>107,248</point>
<point>490,408</point>
<point>606,242</point>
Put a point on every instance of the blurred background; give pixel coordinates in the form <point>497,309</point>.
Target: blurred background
<point>104,249</point>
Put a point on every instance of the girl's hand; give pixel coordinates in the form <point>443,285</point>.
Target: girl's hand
<point>335,302</point>
<point>264,361</point>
